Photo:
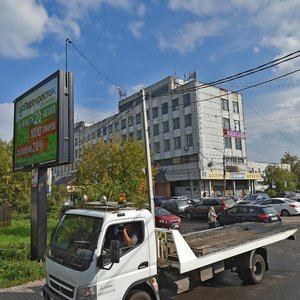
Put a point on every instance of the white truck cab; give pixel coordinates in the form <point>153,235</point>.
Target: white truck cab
<point>94,255</point>
<point>80,260</point>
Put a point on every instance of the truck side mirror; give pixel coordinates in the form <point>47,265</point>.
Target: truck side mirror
<point>112,256</point>
<point>115,251</point>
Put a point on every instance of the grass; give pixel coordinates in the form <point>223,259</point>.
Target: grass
<point>15,264</point>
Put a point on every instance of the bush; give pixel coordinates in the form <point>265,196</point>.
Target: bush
<point>15,264</point>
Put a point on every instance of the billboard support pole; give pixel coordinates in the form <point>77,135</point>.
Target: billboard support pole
<point>39,216</point>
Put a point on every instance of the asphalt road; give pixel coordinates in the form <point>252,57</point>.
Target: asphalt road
<point>280,282</point>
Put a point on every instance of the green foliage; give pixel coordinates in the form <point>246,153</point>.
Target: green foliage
<point>56,199</point>
<point>284,180</point>
<point>15,187</point>
<point>109,168</point>
<point>15,264</point>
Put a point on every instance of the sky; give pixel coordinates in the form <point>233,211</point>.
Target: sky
<point>130,44</point>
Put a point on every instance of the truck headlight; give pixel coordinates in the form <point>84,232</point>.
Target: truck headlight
<point>87,293</point>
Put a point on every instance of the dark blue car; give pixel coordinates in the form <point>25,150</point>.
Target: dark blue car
<point>248,213</point>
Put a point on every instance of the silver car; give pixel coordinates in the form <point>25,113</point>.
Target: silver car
<point>284,206</point>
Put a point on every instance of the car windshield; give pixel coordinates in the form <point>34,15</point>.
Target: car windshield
<point>182,203</point>
<point>270,211</point>
<point>252,197</point>
<point>161,212</point>
<point>229,201</point>
<point>75,239</point>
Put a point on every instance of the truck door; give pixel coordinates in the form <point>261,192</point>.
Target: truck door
<point>134,262</point>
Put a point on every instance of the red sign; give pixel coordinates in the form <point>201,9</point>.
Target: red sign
<point>234,133</point>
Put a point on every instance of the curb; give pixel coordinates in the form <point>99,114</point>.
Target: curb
<point>28,291</point>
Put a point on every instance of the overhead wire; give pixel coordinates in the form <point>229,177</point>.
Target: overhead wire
<point>213,83</point>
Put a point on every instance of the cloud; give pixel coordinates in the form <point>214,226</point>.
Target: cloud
<point>141,10</point>
<point>22,23</point>
<point>25,23</point>
<point>90,115</point>
<point>135,28</point>
<point>191,35</point>
<point>213,7</point>
<point>7,119</point>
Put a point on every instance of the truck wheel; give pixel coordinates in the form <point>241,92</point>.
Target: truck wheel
<point>256,273</point>
<point>285,213</point>
<point>189,216</point>
<point>138,295</point>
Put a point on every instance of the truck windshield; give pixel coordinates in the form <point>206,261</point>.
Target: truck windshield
<point>75,240</point>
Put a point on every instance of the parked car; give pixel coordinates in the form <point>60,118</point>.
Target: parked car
<point>185,198</point>
<point>248,213</point>
<point>164,219</point>
<point>284,206</point>
<point>158,200</point>
<point>201,210</point>
<point>175,206</point>
<point>255,198</point>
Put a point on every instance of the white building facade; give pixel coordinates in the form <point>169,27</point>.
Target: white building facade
<point>197,136</point>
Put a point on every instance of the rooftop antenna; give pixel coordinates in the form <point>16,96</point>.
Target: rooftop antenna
<point>122,93</point>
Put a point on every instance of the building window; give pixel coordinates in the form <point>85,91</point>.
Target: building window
<point>176,123</point>
<point>238,144</point>
<point>188,120</point>
<point>237,125</point>
<point>186,100</point>
<point>123,123</point>
<point>139,134</point>
<point>131,135</point>
<point>156,129</point>
<point>175,104</point>
<point>165,126</point>
<point>104,130</point>
<point>154,112</point>
<point>164,108</point>
<point>235,106</point>
<point>76,153</point>
<point>224,104</point>
<point>148,117</point>
<point>189,140</point>
<point>138,118</point>
<point>130,121</point>
<point>167,145</point>
<point>156,147</point>
<point>116,126</point>
<point>226,124</point>
<point>177,142</point>
<point>99,132</point>
<point>110,129</point>
<point>227,141</point>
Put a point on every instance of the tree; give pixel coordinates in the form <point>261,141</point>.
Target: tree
<point>15,187</point>
<point>56,199</point>
<point>109,168</point>
<point>293,161</point>
<point>284,180</point>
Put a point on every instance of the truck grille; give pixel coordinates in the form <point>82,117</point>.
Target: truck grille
<point>61,287</point>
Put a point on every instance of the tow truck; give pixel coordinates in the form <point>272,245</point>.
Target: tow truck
<point>86,260</point>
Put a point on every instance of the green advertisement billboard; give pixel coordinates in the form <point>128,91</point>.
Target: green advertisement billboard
<point>37,124</point>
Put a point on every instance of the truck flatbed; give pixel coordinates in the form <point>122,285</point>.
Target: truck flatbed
<point>202,248</point>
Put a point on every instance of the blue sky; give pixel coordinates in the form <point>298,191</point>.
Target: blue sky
<point>136,43</point>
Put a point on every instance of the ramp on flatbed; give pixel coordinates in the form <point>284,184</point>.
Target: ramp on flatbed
<point>213,240</point>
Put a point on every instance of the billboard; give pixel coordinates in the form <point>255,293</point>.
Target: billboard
<point>43,124</point>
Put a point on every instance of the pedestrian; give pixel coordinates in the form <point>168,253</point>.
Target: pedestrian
<point>212,218</point>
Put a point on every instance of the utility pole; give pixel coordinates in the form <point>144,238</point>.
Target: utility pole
<point>147,153</point>
<point>224,170</point>
<point>224,173</point>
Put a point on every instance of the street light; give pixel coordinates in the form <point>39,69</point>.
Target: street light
<point>224,170</point>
